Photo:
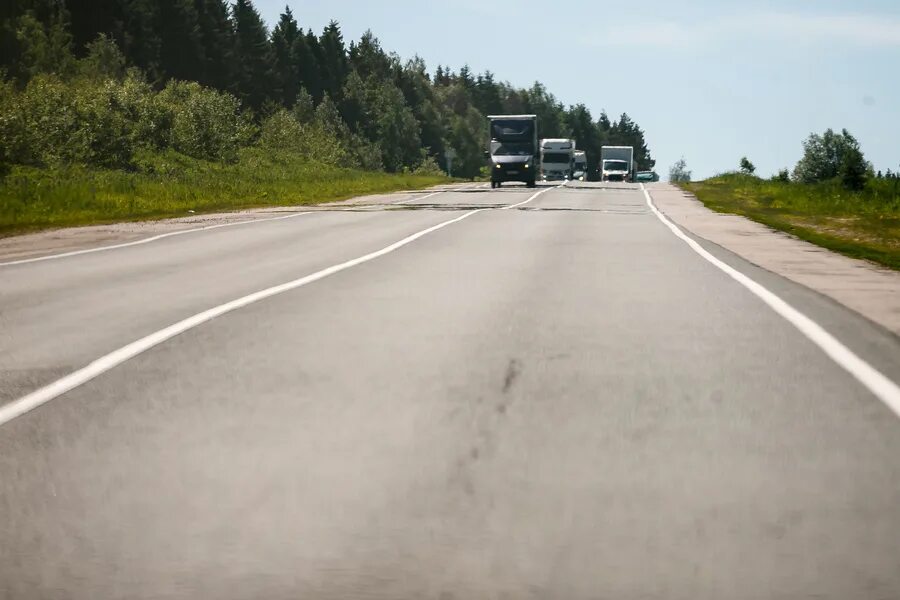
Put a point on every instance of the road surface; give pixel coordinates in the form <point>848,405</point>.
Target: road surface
<point>551,397</point>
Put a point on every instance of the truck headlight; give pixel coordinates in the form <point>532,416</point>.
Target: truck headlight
<point>497,166</point>
<point>527,166</point>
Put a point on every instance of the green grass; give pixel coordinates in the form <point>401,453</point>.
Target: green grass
<point>862,224</point>
<point>171,184</point>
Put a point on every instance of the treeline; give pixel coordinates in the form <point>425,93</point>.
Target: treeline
<point>95,81</point>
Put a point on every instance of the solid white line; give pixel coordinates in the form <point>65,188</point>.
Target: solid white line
<point>883,388</point>
<point>113,359</point>
<point>146,240</point>
<point>511,206</point>
<point>420,198</point>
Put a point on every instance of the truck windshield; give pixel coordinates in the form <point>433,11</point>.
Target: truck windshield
<point>512,149</point>
<point>556,157</point>
<point>615,165</point>
<point>503,130</point>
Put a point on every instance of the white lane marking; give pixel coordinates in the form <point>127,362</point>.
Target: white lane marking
<point>146,240</point>
<point>117,357</point>
<point>883,388</point>
<point>511,206</point>
<point>420,197</point>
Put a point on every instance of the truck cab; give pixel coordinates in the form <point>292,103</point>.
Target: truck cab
<point>617,163</point>
<point>557,159</point>
<point>513,149</point>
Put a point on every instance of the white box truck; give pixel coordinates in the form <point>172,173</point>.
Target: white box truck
<point>617,163</point>
<point>557,159</point>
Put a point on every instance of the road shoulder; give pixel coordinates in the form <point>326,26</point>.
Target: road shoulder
<point>864,287</point>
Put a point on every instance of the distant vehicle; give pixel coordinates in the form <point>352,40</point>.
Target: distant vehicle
<point>514,149</point>
<point>645,176</point>
<point>557,159</point>
<point>580,170</point>
<point>617,163</point>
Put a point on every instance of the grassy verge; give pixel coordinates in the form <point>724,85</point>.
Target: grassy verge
<point>171,184</point>
<point>862,224</point>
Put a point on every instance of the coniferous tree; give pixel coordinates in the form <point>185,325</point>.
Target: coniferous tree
<point>308,57</point>
<point>140,40</point>
<point>333,62</point>
<point>217,37</point>
<point>252,55</point>
<point>486,95</point>
<point>90,18</point>
<point>287,72</point>
<point>369,59</point>
<point>182,53</point>
<point>585,132</point>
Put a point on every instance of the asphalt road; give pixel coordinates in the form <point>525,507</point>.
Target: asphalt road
<point>559,400</point>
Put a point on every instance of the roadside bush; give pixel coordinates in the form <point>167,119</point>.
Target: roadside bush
<point>428,166</point>
<point>679,173</point>
<point>52,122</point>
<point>783,176</point>
<point>12,129</point>
<point>150,121</point>
<point>205,123</point>
<point>283,132</point>
<point>104,60</point>
<point>832,155</point>
<point>747,167</point>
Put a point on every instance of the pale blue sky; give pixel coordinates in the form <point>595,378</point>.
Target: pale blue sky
<point>711,80</point>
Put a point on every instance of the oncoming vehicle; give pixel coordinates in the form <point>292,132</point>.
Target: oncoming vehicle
<point>557,159</point>
<point>579,171</point>
<point>513,149</point>
<point>617,163</point>
<point>646,176</point>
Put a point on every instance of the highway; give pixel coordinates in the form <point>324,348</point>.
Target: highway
<point>474,394</point>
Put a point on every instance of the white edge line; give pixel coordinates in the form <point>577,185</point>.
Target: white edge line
<point>877,383</point>
<point>534,197</point>
<point>59,387</point>
<point>146,240</point>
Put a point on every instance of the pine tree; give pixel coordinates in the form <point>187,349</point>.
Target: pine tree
<point>486,95</point>
<point>284,38</point>
<point>217,37</point>
<point>368,58</point>
<point>141,41</point>
<point>333,63</point>
<point>252,55</point>
<point>584,131</point>
<point>182,53</point>
<point>308,58</point>
<point>90,18</point>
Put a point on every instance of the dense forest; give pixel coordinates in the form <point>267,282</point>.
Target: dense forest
<point>95,81</point>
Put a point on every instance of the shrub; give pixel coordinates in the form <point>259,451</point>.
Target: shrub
<point>428,166</point>
<point>828,156</point>
<point>205,123</point>
<point>283,132</point>
<point>104,60</point>
<point>679,173</point>
<point>12,129</point>
<point>747,167</point>
<point>83,122</point>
